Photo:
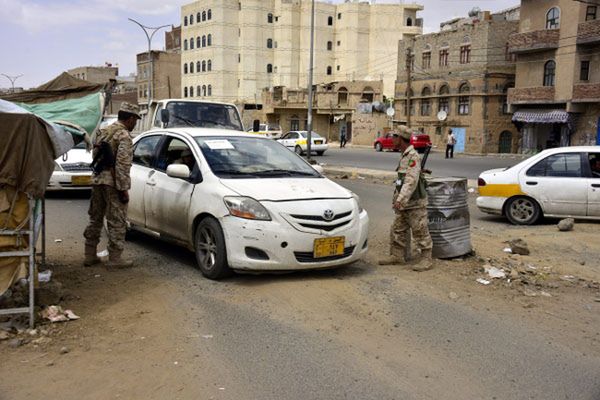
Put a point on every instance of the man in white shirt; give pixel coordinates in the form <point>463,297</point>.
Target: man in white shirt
<point>451,141</point>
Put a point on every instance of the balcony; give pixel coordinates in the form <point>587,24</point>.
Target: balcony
<point>532,95</point>
<point>588,33</point>
<point>527,42</point>
<point>586,92</point>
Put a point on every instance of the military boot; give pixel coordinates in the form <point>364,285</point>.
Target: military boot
<point>91,258</point>
<point>115,260</point>
<point>391,260</point>
<point>425,262</point>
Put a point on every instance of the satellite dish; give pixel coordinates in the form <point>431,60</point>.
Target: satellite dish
<point>442,115</point>
<point>390,112</point>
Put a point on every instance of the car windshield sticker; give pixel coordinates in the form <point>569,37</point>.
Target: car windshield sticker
<point>219,144</point>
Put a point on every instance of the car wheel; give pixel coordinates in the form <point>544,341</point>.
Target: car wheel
<point>320,153</point>
<point>211,254</point>
<point>522,210</point>
<point>378,147</point>
<point>298,150</point>
<point>420,150</point>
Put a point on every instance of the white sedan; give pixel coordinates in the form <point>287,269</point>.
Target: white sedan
<point>298,142</point>
<point>242,202</point>
<point>72,170</point>
<point>561,182</point>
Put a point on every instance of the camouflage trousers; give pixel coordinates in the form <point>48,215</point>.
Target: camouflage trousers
<point>406,221</point>
<point>105,203</point>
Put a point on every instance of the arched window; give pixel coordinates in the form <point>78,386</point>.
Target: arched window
<point>185,44</point>
<point>203,90</point>
<point>330,21</point>
<point>425,102</point>
<point>198,17</point>
<point>209,14</point>
<point>203,40</point>
<point>209,91</point>
<point>409,21</point>
<point>209,65</point>
<point>203,66</point>
<point>192,68</point>
<point>342,95</point>
<point>209,40</point>
<point>269,68</point>
<point>203,15</point>
<point>330,45</point>
<point>505,142</point>
<point>191,91</point>
<point>185,68</point>
<point>192,44</point>
<point>553,18</point>
<point>367,94</point>
<point>185,21</point>
<point>198,42</point>
<point>198,90</point>
<point>329,70</point>
<point>269,18</point>
<point>198,66</point>
<point>192,19</point>
<point>549,72</point>
<point>185,92</point>
<point>463,99</point>
<point>269,43</point>
<point>444,100</point>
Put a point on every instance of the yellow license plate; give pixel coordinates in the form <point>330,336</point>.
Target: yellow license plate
<point>318,141</point>
<point>81,180</point>
<point>327,247</point>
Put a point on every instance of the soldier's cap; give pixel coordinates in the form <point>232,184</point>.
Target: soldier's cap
<point>405,133</point>
<point>131,109</point>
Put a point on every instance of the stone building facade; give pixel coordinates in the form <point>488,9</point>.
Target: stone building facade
<point>233,49</point>
<point>556,99</point>
<point>347,105</point>
<point>99,74</point>
<point>465,71</point>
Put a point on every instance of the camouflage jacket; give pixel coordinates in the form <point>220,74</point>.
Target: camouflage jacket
<point>409,171</point>
<point>119,139</point>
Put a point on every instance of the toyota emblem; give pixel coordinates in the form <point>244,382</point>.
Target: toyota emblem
<point>328,215</point>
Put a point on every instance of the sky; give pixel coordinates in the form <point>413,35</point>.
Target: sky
<point>42,38</point>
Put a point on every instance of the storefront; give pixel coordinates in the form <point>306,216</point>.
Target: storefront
<point>544,129</point>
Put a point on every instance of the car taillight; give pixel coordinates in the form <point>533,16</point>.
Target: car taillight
<point>480,182</point>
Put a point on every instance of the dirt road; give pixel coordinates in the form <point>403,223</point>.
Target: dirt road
<point>160,330</point>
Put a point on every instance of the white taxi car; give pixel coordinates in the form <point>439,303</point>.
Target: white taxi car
<point>298,140</point>
<point>242,202</point>
<point>560,182</point>
<point>72,170</point>
<point>272,131</point>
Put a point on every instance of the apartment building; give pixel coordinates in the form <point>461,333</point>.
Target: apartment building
<point>460,78</point>
<point>556,99</point>
<point>95,74</point>
<point>233,49</point>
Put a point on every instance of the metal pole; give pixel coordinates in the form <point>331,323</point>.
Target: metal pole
<point>32,276</point>
<point>149,37</point>
<point>12,80</point>
<point>310,81</point>
<point>409,57</point>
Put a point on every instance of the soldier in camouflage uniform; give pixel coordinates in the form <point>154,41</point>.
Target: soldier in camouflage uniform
<point>110,190</point>
<point>410,206</point>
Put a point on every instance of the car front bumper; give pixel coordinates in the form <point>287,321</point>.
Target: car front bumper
<point>62,180</point>
<point>491,205</point>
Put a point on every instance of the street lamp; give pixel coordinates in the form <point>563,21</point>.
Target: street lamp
<point>310,82</point>
<point>12,80</point>
<point>149,36</point>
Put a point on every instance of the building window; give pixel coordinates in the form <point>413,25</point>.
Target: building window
<point>185,92</point>
<point>444,58</point>
<point>192,44</point>
<point>329,45</point>
<point>185,68</point>
<point>209,92</point>
<point>584,71</point>
<point>198,42</point>
<point>329,70</point>
<point>409,94</point>
<point>203,66</point>
<point>191,91</point>
<point>508,56</point>
<point>198,66</point>
<point>294,123</point>
<point>426,60</point>
<point>269,68</point>
<point>464,99</point>
<point>338,67</point>
<point>203,15</point>
<point>209,40</point>
<point>465,54</point>
<point>342,95</point>
<point>553,18</point>
<point>185,44</point>
<point>209,14</point>
<point>590,13</point>
<point>269,18</point>
<point>239,58</point>
<point>505,97</point>
<point>549,71</point>
<point>192,19</point>
<point>185,21</point>
<point>192,68</point>
<point>209,65</point>
<point>425,102</point>
<point>198,89</point>
<point>339,15</point>
<point>203,40</point>
<point>330,21</point>
<point>367,94</point>
<point>409,21</point>
<point>269,43</point>
<point>198,17</point>
<point>339,43</point>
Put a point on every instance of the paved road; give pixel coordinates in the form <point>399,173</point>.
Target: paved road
<point>355,333</point>
<point>464,166</point>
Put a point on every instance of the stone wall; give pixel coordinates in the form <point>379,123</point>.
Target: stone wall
<point>531,95</point>
<point>587,127</point>
<point>544,39</point>
<point>587,91</point>
<point>365,127</point>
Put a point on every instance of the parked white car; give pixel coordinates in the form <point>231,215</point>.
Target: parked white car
<point>72,170</point>
<point>298,140</point>
<point>272,131</point>
<point>561,182</point>
<point>242,202</point>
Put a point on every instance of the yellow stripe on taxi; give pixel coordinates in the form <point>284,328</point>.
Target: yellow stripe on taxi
<point>500,190</point>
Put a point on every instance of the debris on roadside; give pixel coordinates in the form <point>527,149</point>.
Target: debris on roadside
<point>518,246</point>
<point>566,224</point>
<point>45,276</point>
<point>453,296</point>
<point>57,240</point>
<point>57,314</point>
<point>483,281</point>
<point>494,272</point>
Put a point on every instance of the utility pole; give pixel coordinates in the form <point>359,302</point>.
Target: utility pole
<point>149,36</point>
<point>409,58</point>
<point>310,81</point>
<point>12,80</point>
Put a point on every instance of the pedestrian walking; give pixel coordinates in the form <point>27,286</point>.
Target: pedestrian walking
<point>111,182</point>
<point>343,137</point>
<point>410,208</point>
<point>450,142</point>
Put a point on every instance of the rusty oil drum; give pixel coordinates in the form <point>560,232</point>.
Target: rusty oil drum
<point>449,218</point>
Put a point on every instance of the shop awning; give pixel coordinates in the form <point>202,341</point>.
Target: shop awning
<point>545,117</point>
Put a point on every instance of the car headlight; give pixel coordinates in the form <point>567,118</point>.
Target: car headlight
<point>57,166</point>
<point>357,199</point>
<point>246,207</point>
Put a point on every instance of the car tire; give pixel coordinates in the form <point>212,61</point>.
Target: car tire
<point>320,153</point>
<point>378,147</point>
<point>298,150</point>
<point>420,150</point>
<point>521,210</point>
<point>211,253</point>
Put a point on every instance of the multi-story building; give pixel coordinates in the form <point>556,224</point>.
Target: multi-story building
<point>556,99</point>
<point>100,74</point>
<point>460,78</point>
<point>166,65</point>
<point>233,49</point>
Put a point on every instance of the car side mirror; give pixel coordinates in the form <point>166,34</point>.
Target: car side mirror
<point>164,116</point>
<point>256,125</point>
<point>181,171</point>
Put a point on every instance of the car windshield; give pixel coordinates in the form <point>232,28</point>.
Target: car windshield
<point>304,134</point>
<point>252,157</point>
<point>203,115</point>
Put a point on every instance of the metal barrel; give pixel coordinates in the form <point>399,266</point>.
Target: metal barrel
<point>449,218</point>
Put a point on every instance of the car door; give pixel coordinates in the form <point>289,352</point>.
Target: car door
<point>558,184</point>
<point>289,140</point>
<point>593,209</point>
<point>387,141</point>
<point>142,168</point>
<point>168,199</point>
